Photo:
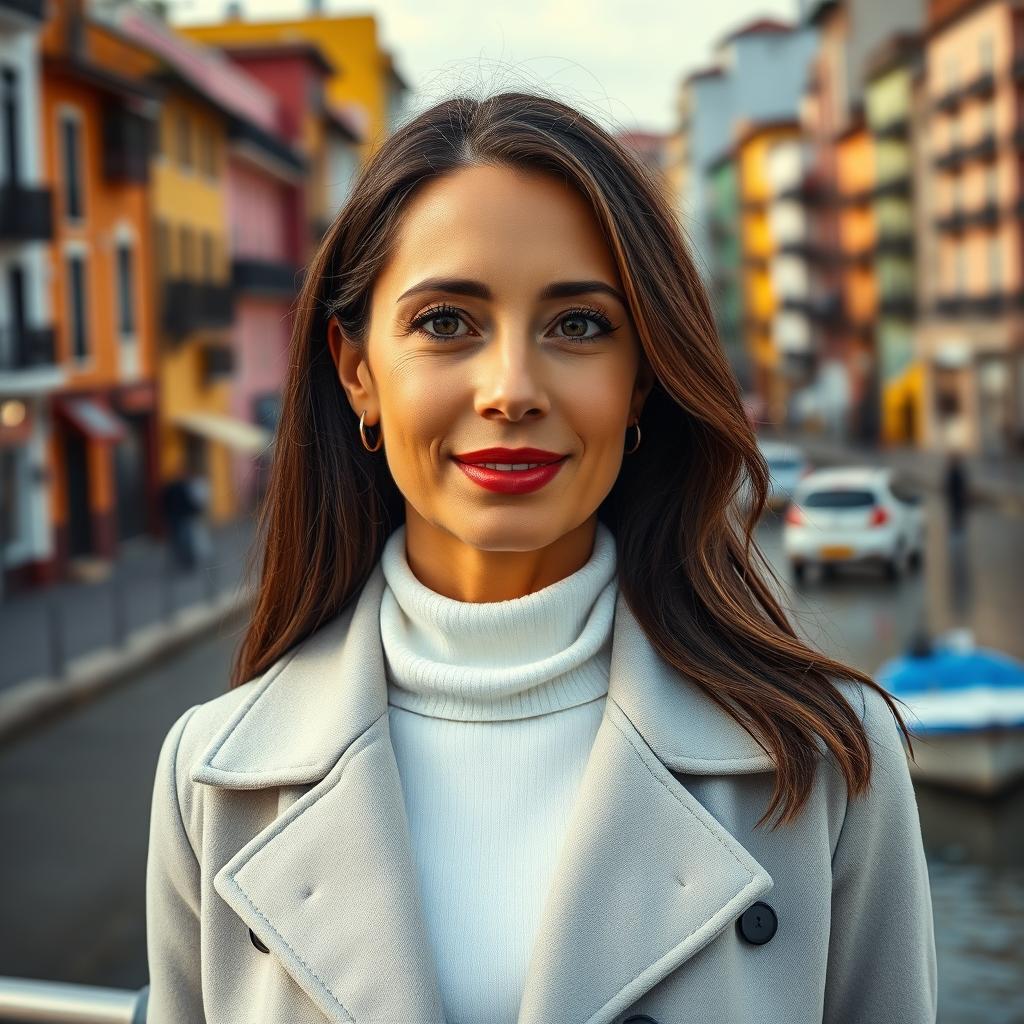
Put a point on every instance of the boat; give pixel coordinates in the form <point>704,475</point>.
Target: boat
<point>965,712</point>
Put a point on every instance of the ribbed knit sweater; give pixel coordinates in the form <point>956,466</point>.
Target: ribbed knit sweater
<point>492,708</point>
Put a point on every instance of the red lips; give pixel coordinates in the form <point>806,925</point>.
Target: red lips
<point>509,456</point>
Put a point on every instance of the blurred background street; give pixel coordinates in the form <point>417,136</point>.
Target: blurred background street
<point>851,178</point>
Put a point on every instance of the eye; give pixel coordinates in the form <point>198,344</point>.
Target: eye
<point>444,313</point>
<point>582,314</point>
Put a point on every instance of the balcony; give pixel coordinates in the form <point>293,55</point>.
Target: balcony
<point>895,242</point>
<point>218,362</point>
<point>951,222</point>
<point>18,12</point>
<point>127,143</point>
<point>895,128</point>
<point>27,349</point>
<point>948,101</point>
<point>983,149</point>
<point>196,305</point>
<point>896,185</point>
<point>986,215</point>
<point>981,86</point>
<point>950,160</point>
<point>26,214</point>
<point>264,277</point>
<point>899,303</point>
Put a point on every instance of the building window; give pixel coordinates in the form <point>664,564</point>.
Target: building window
<point>959,269</point>
<point>11,104</point>
<point>125,289</point>
<point>77,311</point>
<point>163,250</point>
<point>184,141</point>
<point>207,250</point>
<point>187,256</point>
<point>995,263</point>
<point>209,153</point>
<point>71,162</point>
<point>992,183</point>
<point>986,54</point>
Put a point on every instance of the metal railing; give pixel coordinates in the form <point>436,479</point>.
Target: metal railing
<point>60,1002</point>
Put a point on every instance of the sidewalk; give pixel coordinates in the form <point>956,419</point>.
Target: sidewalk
<point>64,642</point>
<point>992,480</point>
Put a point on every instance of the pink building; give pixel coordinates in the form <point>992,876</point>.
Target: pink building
<point>279,212</point>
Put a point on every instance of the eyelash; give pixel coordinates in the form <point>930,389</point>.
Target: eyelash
<point>415,325</point>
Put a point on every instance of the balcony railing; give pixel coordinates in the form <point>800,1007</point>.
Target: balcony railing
<point>27,348</point>
<point>34,9</point>
<point>26,213</point>
<point>127,143</point>
<point>895,242</point>
<point>264,276</point>
<point>218,362</point>
<point>899,303</point>
<point>23,999</point>
<point>196,305</point>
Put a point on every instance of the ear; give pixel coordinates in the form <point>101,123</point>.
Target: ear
<point>353,372</point>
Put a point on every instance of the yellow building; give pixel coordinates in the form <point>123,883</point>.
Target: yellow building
<point>363,74</point>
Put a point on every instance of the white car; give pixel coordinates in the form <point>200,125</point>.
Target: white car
<point>787,464</point>
<point>853,514</point>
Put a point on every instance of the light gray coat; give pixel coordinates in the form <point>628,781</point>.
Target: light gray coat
<point>278,810</point>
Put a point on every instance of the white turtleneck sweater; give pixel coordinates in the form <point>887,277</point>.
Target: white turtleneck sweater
<point>493,708</point>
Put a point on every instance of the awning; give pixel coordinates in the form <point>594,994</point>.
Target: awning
<point>92,418</point>
<point>235,433</point>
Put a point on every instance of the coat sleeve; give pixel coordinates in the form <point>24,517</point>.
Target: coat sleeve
<point>881,955</point>
<point>172,898</point>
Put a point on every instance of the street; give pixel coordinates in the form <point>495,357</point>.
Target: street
<point>75,793</point>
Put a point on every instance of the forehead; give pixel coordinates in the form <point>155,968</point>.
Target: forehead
<point>503,226</point>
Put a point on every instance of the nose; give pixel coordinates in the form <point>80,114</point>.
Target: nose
<point>511,378</point>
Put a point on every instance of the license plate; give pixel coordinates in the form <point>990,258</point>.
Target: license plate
<point>837,551</point>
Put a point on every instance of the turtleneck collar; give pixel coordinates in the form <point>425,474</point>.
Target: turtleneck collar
<point>498,660</point>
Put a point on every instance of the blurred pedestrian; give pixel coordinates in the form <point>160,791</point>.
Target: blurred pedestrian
<point>955,488</point>
<point>177,506</point>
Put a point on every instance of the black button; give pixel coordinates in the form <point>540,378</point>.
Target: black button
<point>641,1019</point>
<point>757,924</point>
<point>256,942</point>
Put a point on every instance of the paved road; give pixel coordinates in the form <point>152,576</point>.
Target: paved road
<point>74,797</point>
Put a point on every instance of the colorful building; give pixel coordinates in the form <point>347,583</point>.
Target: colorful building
<point>760,251</point>
<point>363,72</point>
<point>211,109</point>
<point>971,334</point>
<point>97,114</point>
<point>278,212</point>
<point>725,254</point>
<point>889,93</point>
<point>29,368</point>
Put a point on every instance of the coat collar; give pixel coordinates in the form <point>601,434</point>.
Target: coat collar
<point>330,885</point>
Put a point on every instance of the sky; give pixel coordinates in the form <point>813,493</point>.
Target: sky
<point>619,62</point>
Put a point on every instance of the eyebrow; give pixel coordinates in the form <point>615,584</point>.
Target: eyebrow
<point>478,290</point>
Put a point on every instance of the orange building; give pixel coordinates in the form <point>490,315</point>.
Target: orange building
<point>97,113</point>
<point>855,180</point>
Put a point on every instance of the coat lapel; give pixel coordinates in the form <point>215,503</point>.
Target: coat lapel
<point>646,876</point>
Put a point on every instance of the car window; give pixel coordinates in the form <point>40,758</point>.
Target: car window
<point>783,464</point>
<point>838,498</point>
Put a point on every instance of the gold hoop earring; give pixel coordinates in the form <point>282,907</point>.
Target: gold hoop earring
<point>637,445</point>
<point>362,434</point>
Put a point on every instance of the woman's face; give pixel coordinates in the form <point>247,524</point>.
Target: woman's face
<point>470,346</point>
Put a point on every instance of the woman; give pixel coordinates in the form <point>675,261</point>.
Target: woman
<point>501,745</point>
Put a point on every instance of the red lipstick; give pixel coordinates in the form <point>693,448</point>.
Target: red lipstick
<point>510,481</point>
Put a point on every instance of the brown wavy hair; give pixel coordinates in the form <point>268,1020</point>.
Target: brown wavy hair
<point>688,565</point>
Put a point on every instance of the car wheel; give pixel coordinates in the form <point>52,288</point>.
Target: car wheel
<point>799,570</point>
<point>916,559</point>
<point>894,566</point>
<point>829,571</point>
